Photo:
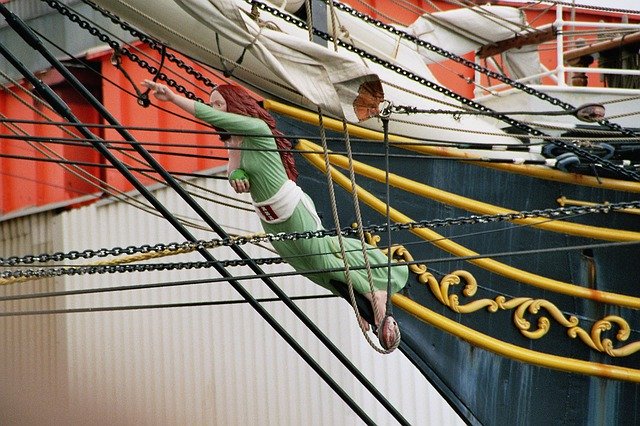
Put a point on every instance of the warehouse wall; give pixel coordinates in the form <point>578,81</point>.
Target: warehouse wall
<point>217,364</point>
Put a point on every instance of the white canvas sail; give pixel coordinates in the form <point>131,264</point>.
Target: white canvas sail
<point>464,30</point>
<point>328,80</point>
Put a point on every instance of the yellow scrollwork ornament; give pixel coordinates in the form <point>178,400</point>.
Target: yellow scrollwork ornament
<point>521,306</point>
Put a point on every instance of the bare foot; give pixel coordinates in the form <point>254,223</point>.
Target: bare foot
<point>388,330</point>
<point>389,333</point>
<point>364,324</point>
<point>378,301</point>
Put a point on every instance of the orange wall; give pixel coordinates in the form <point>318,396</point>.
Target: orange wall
<point>125,108</point>
<point>30,184</point>
<point>460,78</point>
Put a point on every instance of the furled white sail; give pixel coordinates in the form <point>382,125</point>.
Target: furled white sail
<point>328,80</point>
<point>279,62</point>
<point>464,30</point>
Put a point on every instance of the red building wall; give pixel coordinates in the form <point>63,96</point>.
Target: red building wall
<point>28,183</point>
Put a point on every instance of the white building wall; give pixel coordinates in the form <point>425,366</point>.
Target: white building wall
<point>33,385</point>
<point>206,365</point>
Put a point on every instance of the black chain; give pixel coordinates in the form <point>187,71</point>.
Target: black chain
<point>154,44</point>
<point>288,18</point>
<point>209,244</point>
<point>438,88</point>
<point>124,51</point>
<point>475,66</point>
<point>110,269</point>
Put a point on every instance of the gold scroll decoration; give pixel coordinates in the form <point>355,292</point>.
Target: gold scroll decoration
<point>520,306</point>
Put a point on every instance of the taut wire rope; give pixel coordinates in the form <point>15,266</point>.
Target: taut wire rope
<point>385,125</point>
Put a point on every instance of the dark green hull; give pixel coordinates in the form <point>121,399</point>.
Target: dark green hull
<point>484,387</point>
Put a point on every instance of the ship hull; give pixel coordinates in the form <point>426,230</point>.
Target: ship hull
<point>483,386</point>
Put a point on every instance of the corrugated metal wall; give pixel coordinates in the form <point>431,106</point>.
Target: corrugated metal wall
<point>33,380</point>
<point>189,365</point>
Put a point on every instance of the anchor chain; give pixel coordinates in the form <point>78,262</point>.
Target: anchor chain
<point>39,273</point>
<point>347,231</point>
<point>466,101</point>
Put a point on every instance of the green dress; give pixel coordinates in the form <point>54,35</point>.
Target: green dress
<point>266,175</point>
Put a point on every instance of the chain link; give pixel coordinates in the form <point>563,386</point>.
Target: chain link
<point>301,24</point>
<point>221,242</point>
<point>463,100</point>
<point>110,269</point>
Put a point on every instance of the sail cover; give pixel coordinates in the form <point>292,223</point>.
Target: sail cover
<point>340,86</point>
<point>463,30</point>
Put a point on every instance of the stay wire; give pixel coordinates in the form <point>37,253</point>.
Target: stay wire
<point>385,127</point>
<point>612,136</point>
<point>96,309</point>
<point>309,324</point>
<point>22,30</point>
<point>79,172</point>
<point>103,166</point>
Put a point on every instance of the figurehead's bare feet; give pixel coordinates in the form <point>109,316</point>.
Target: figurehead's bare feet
<point>364,324</point>
<point>388,330</point>
<point>389,333</point>
<point>378,301</point>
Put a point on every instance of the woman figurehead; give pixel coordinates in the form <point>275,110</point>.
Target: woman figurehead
<point>234,99</point>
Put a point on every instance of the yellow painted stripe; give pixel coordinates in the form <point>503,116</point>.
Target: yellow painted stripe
<point>475,206</point>
<point>523,169</point>
<point>459,250</point>
<point>512,351</point>
<point>423,190</point>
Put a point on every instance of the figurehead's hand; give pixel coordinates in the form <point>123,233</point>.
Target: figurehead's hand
<point>160,91</point>
<point>239,181</point>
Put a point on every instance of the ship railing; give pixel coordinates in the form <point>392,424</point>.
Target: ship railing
<point>565,59</point>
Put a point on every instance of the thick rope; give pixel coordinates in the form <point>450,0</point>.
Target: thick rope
<point>343,254</point>
<point>308,10</point>
<point>360,229</point>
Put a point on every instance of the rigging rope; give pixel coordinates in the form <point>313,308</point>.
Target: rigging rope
<point>76,171</point>
<point>343,254</point>
<point>101,184</point>
<point>418,140</point>
<point>430,84</point>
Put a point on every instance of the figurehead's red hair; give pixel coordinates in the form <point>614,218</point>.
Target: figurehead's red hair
<point>240,102</point>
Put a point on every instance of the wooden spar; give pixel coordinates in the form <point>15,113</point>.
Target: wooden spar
<point>602,46</point>
<point>518,41</point>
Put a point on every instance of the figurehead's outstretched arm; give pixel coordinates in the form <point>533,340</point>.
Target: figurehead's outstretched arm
<point>163,93</point>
